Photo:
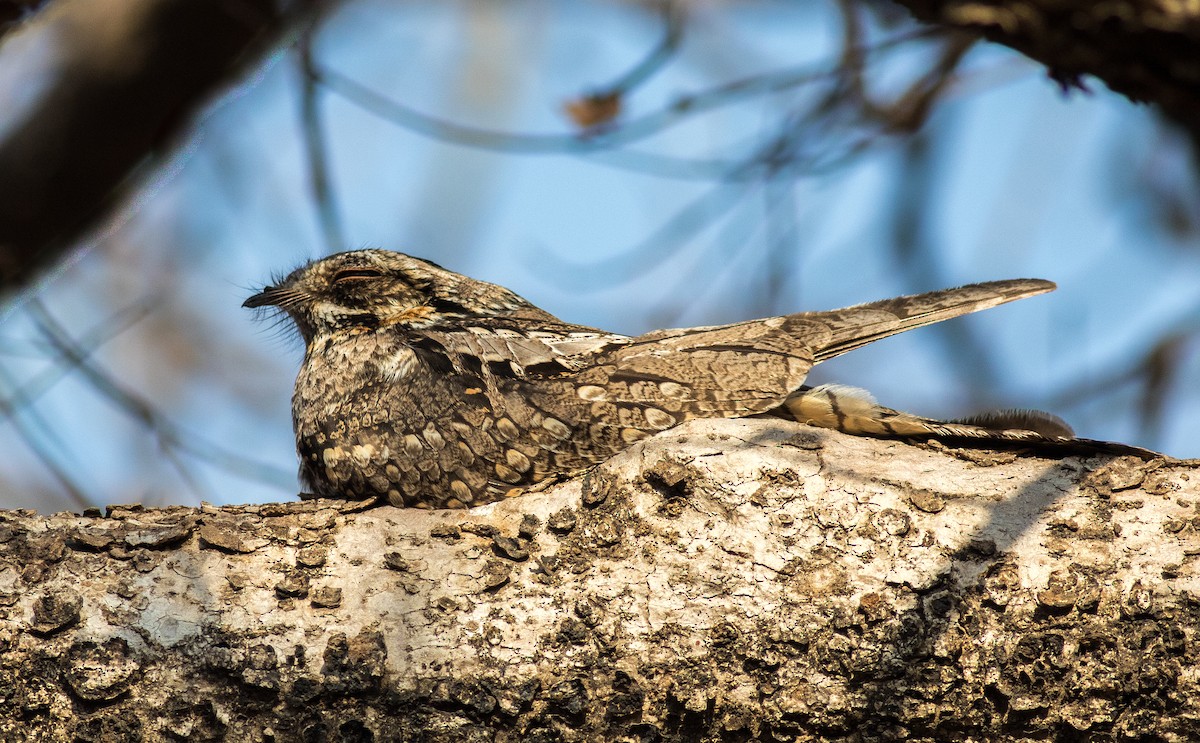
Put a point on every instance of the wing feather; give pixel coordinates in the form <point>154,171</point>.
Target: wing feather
<point>752,367</point>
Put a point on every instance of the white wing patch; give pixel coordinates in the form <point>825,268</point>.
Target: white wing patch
<point>523,350</point>
<point>845,393</point>
<point>837,406</point>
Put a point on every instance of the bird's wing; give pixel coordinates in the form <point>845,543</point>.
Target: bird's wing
<point>668,376</point>
<point>519,350</point>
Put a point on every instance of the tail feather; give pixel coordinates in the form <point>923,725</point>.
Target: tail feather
<point>854,411</point>
<point>1047,424</point>
<point>857,326</point>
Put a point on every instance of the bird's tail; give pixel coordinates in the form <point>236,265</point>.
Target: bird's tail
<point>869,322</point>
<point>853,410</point>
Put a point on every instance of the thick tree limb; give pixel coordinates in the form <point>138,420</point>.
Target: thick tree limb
<point>1143,49</point>
<point>727,580</point>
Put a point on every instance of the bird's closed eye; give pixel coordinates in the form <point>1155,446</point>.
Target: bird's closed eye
<point>351,274</point>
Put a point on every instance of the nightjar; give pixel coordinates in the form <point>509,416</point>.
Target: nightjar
<point>431,389</point>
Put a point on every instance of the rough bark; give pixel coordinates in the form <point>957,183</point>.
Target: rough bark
<point>724,581</point>
<point>1143,49</point>
<point>93,89</point>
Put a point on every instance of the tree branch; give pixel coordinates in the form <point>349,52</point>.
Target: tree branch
<point>1143,49</point>
<point>727,580</point>
<point>95,88</point>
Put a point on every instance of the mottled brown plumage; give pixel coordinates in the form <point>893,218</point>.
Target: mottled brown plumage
<point>431,389</point>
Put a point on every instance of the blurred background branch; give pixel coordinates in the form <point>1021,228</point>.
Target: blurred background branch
<point>96,89</point>
<point>1143,49</point>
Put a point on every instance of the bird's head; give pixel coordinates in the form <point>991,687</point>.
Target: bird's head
<point>369,289</point>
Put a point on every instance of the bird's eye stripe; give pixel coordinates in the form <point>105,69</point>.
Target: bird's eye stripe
<point>357,273</point>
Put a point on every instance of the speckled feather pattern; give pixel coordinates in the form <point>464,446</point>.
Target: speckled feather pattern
<point>430,389</point>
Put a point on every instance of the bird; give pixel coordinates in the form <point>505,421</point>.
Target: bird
<point>425,388</point>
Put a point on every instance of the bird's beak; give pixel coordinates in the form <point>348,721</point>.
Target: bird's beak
<point>270,295</point>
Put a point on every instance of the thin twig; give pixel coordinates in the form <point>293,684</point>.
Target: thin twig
<point>169,436</point>
<point>316,147</point>
<point>31,433</point>
<point>638,259</point>
<point>1155,372</point>
<point>915,256</point>
<point>105,331</point>
<point>590,141</point>
<point>673,17</point>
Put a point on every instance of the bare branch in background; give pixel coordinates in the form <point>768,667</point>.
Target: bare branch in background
<point>1162,372</point>
<point>837,122</point>
<point>1154,374</point>
<point>1143,49</point>
<point>18,401</point>
<point>39,436</point>
<point>93,90</point>
<point>592,141</point>
<point>15,12</point>
<point>655,249</point>
<point>119,322</point>
<point>171,438</point>
<point>908,111</point>
<point>317,146</point>
<point>604,105</point>
<point>916,255</point>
